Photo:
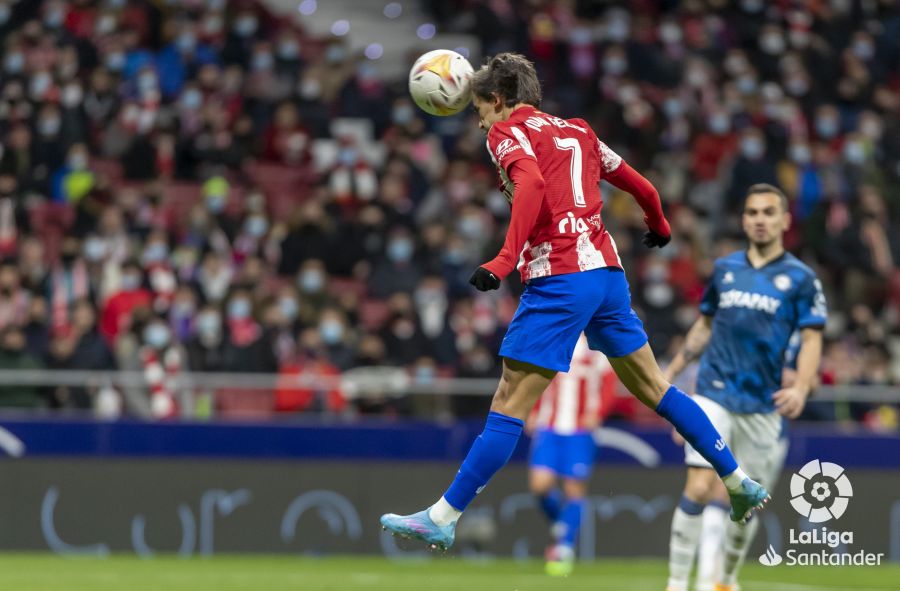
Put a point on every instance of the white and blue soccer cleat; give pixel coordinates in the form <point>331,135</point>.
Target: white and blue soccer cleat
<point>751,497</point>
<point>419,526</point>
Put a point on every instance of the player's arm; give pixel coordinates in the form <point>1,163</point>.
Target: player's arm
<point>628,179</point>
<point>526,205</point>
<point>791,400</point>
<point>694,344</point>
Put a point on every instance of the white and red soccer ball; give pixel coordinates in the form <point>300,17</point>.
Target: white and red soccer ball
<point>440,82</point>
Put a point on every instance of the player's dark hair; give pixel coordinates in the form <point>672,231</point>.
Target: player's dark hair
<point>760,188</point>
<point>511,77</point>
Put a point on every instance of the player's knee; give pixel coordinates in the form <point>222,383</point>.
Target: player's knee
<point>541,482</point>
<point>574,490</point>
<point>701,485</point>
<point>540,488</point>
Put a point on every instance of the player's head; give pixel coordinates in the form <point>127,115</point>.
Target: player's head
<point>508,79</point>
<point>766,217</point>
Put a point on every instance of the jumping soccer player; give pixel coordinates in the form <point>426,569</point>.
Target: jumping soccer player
<point>754,301</point>
<point>563,448</point>
<point>551,170</point>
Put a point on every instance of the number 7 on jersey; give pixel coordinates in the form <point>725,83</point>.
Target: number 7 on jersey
<point>570,144</point>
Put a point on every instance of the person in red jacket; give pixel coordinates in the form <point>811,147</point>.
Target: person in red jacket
<point>116,315</point>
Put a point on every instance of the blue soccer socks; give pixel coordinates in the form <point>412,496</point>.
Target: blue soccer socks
<point>693,424</point>
<point>551,504</point>
<point>571,519</point>
<point>489,453</point>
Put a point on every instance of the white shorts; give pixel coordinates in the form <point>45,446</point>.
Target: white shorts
<point>754,439</point>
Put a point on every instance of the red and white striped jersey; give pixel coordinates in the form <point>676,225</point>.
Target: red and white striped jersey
<point>577,400</point>
<point>568,235</point>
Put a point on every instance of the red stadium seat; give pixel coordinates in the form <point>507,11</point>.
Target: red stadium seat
<point>373,314</point>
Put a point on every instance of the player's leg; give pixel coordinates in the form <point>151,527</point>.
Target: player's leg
<point>758,439</point>
<point>700,489</point>
<point>540,341</point>
<point>710,553</point>
<point>579,451</point>
<point>639,372</point>
<point>617,331</point>
<point>561,555</point>
<point>542,479</point>
<point>520,387</point>
<point>687,524</point>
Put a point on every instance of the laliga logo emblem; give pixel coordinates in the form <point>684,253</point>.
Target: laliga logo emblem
<point>820,491</point>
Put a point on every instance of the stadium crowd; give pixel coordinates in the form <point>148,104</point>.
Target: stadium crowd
<point>163,207</point>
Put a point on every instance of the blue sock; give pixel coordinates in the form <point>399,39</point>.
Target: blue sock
<point>690,507</point>
<point>571,517</point>
<point>551,504</point>
<point>693,424</point>
<point>489,453</point>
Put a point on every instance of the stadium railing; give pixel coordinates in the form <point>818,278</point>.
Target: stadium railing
<point>357,383</point>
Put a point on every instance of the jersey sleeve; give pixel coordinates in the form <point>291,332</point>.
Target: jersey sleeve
<point>507,144</point>
<point>812,310</point>
<point>709,303</point>
<point>609,160</point>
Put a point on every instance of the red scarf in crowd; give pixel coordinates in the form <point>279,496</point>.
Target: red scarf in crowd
<point>161,371</point>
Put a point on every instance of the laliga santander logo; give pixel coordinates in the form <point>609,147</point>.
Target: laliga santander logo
<point>820,491</point>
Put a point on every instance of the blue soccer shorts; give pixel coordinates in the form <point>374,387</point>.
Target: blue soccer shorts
<point>568,456</point>
<point>555,310</point>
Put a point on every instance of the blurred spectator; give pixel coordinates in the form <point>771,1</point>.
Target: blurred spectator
<point>131,294</point>
<point>79,348</point>
<point>14,355</point>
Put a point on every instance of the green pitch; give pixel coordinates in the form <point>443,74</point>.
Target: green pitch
<point>30,572</point>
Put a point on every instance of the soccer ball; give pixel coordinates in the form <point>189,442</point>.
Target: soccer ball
<point>439,82</point>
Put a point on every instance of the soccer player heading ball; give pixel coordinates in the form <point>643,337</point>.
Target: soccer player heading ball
<point>551,170</point>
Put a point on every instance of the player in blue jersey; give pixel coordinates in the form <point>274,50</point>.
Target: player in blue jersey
<point>753,303</point>
<point>551,170</point>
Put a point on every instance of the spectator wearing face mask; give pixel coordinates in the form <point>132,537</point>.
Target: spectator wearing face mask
<point>312,283</point>
<point>73,180</point>
<point>184,54</point>
<point>310,359</point>
<point>336,338</point>
<point>131,294</point>
<point>402,334</point>
<point>162,361</point>
<point>244,31</point>
<point>247,348</point>
<point>395,271</point>
<point>752,166</point>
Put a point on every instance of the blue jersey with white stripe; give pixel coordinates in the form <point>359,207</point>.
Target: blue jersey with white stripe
<point>754,312</point>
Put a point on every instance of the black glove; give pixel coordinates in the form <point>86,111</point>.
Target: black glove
<point>652,239</point>
<point>484,280</point>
